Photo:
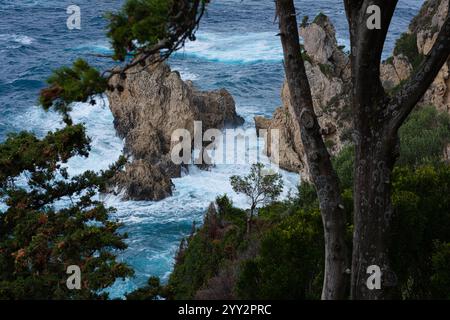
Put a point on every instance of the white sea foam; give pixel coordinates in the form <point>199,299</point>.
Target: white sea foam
<point>227,48</point>
<point>14,41</point>
<point>98,48</point>
<point>235,48</point>
<point>186,74</point>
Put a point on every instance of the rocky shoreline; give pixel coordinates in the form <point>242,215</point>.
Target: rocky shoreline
<point>152,103</point>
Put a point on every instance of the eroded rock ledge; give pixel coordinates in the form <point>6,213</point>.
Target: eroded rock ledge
<point>148,105</point>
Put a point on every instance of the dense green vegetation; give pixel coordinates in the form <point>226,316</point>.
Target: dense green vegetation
<point>282,258</point>
<point>422,141</point>
<point>423,137</point>
<point>40,238</point>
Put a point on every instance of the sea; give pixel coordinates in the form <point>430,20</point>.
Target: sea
<point>237,48</point>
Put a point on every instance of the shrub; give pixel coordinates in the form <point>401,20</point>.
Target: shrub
<point>407,46</point>
<point>422,217</point>
<point>290,262</point>
<point>424,136</point>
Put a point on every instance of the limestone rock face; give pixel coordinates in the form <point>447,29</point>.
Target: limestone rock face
<point>328,71</point>
<point>143,181</point>
<point>426,26</point>
<point>288,156</point>
<point>395,71</point>
<point>148,105</point>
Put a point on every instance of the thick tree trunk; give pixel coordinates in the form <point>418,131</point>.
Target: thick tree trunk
<point>374,148</point>
<point>323,175</point>
<point>377,118</point>
<point>375,158</point>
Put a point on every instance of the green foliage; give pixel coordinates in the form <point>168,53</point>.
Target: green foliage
<point>424,136</point>
<point>329,144</point>
<point>440,279</point>
<point>422,217</point>
<point>304,21</point>
<point>142,24</point>
<point>216,242</point>
<point>152,291</point>
<point>320,18</point>
<point>289,258</point>
<point>144,21</point>
<point>24,152</point>
<point>326,69</point>
<point>390,60</point>
<point>289,263</point>
<point>260,185</point>
<point>39,238</point>
<point>407,46</point>
<point>67,85</point>
<point>422,214</point>
<point>343,164</point>
<point>306,57</point>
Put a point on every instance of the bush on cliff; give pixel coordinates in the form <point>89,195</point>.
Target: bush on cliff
<point>424,136</point>
<point>289,263</point>
<point>406,45</point>
<point>217,241</point>
<point>423,139</point>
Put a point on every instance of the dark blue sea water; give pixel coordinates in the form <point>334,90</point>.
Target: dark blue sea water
<point>236,49</point>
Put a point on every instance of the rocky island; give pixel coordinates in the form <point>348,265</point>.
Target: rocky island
<point>150,105</point>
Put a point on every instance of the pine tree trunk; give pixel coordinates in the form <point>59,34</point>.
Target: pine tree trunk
<point>375,158</point>
<point>321,170</point>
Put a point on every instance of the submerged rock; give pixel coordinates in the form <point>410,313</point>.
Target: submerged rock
<point>148,104</point>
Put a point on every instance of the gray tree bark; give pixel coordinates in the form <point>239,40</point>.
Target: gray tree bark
<point>324,176</point>
<point>377,118</point>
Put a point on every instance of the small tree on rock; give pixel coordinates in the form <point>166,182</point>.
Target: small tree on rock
<point>260,186</point>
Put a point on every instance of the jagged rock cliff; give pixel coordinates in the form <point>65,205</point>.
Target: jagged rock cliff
<point>328,70</point>
<point>422,31</point>
<point>148,105</point>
